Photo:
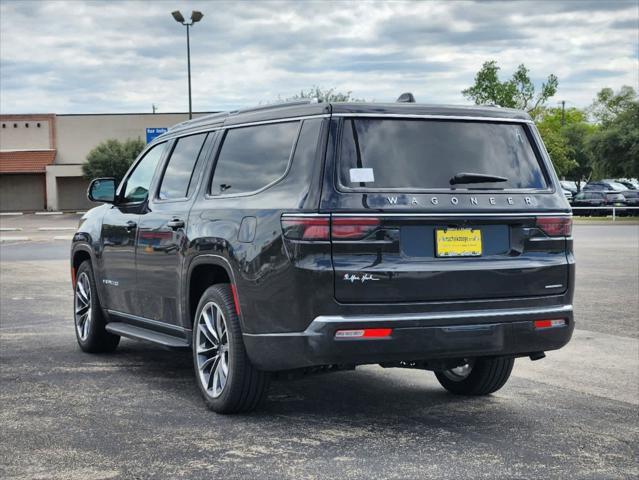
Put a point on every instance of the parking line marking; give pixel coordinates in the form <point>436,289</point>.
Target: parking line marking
<point>55,229</point>
<point>14,239</point>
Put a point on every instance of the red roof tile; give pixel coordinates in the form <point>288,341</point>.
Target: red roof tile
<point>25,161</point>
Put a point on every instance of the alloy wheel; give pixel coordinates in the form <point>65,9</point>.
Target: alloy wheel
<point>83,306</point>
<point>212,349</point>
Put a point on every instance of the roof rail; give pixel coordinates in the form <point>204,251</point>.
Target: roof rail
<point>273,106</point>
<point>195,121</point>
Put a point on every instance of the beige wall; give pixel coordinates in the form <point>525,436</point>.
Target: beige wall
<point>23,137</point>
<point>77,135</point>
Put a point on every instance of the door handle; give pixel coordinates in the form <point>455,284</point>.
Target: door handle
<point>131,225</point>
<point>175,224</point>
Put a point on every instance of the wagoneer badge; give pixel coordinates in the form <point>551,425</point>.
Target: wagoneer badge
<point>455,200</point>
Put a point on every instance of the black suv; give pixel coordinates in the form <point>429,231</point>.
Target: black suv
<point>316,237</point>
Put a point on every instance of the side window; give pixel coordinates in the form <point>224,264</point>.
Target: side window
<point>253,157</point>
<point>178,173</point>
<point>136,188</point>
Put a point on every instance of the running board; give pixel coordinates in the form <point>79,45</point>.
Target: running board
<point>144,334</point>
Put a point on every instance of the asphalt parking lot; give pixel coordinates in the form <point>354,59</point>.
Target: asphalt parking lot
<point>137,413</point>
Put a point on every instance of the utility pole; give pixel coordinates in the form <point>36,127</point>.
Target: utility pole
<point>154,108</point>
<point>563,113</point>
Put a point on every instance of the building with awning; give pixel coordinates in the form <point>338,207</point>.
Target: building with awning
<point>41,155</point>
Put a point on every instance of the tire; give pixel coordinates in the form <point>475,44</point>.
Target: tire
<point>88,317</point>
<point>480,377</point>
<point>216,328</point>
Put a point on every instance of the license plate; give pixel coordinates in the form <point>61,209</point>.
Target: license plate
<point>458,242</point>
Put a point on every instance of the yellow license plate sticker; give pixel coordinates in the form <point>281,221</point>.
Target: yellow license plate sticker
<point>458,242</point>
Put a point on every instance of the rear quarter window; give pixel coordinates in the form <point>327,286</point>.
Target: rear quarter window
<point>252,158</point>
<point>414,155</point>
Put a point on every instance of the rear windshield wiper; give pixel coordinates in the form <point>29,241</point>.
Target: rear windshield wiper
<point>475,178</point>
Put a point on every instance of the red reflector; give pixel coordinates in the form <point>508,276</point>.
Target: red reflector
<point>235,299</point>
<point>302,228</point>
<point>549,323</point>
<point>555,226</point>
<point>73,276</point>
<point>353,228</point>
<point>364,333</point>
<point>377,332</point>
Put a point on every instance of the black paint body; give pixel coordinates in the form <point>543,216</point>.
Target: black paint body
<point>293,296</point>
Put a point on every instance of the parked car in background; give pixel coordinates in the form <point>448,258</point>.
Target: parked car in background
<point>632,200</point>
<point>597,199</point>
<point>605,186</point>
<point>629,183</point>
<point>568,194</point>
<point>570,186</point>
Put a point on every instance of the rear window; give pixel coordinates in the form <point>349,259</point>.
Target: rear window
<point>383,154</point>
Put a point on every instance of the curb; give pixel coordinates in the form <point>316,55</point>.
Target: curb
<point>10,214</point>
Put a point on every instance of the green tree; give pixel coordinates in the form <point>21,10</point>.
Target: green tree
<point>558,149</point>
<point>517,92</point>
<point>608,104</point>
<point>565,135</point>
<point>112,158</point>
<point>325,95</point>
<point>615,146</point>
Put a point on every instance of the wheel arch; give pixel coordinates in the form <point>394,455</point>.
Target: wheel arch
<point>205,271</point>
<point>80,254</point>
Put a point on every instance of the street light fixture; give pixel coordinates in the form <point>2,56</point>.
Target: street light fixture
<point>195,17</point>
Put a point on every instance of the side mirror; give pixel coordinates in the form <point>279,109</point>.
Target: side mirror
<point>102,190</point>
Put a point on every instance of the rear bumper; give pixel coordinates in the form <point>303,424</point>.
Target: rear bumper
<point>426,336</point>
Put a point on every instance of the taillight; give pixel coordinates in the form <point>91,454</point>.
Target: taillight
<point>306,228</point>
<point>555,226</point>
<point>353,228</point>
<point>320,227</point>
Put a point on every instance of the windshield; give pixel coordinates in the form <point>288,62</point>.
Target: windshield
<point>406,154</point>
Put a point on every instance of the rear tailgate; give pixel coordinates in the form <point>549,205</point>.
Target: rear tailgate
<point>401,192</point>
<point>397,261</point>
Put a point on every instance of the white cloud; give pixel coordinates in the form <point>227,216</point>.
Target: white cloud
<point>72,57</point>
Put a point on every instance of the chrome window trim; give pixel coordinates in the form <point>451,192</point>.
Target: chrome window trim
<point>469,214</point>
<point>435,117</point>
<point>186,133</point>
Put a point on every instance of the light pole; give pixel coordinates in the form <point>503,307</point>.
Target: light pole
<point>195,17</point>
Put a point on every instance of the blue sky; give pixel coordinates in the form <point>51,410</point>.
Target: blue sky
<point>120,56</point>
